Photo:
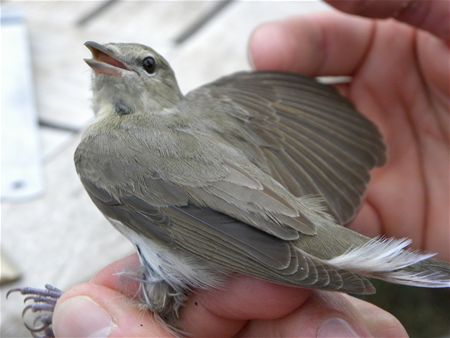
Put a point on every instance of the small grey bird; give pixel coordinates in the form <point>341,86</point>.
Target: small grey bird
<point>255,173</point>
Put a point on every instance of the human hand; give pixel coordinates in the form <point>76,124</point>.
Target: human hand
<point>400,80</point>
<point>246,307</point>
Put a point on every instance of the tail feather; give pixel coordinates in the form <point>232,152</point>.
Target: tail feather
<point>431,273</point>
<point>389,260</point>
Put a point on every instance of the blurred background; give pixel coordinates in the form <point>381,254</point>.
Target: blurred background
<point>50,230</point>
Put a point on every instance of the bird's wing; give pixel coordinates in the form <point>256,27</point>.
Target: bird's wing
<point>180,165</point>
<point>303,133</point>
<point>224,242</point>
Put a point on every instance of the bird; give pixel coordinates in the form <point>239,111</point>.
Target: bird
<point>256,173</point>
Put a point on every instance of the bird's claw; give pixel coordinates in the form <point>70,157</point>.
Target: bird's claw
<point>42,304</point>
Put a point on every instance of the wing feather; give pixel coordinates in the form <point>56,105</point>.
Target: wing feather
<point>224,241</point>
<point>306,135</point>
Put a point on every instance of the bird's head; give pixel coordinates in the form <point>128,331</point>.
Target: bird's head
<point>131,77</point>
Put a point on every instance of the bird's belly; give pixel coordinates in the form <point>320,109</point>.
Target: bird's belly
<point>162,263</point>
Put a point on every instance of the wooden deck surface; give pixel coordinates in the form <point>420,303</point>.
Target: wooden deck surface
<point>60,238</point>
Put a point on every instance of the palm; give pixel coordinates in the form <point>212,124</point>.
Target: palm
<point>400,82</point>
<point>404,93</point>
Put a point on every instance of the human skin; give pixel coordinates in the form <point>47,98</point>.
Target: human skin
<point>400,80</point>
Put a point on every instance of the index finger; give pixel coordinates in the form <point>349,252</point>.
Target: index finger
<point>317,45</point>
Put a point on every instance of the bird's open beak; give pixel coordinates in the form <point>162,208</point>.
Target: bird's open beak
<point>103,61</point>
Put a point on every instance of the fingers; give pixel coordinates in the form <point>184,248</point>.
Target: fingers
<point>379,322</point>
<point>121,276</point>
<point>432,16</point>
<point>225,312</point>
<point>104,307</point>
<point>325,44</point>
<point>327,315</point>
<point>335,43</point>
<point>253,308</point>
<point>91,310</point>
<point>244,307</point>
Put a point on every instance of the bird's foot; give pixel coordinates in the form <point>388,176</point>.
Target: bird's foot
<point>38,312</point>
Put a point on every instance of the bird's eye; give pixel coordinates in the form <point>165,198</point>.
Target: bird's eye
<point>149,64</point>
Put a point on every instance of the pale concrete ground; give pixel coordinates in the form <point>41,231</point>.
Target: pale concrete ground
<point>60,237</point>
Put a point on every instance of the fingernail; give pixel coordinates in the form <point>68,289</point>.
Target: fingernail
<point>336,328</point>
<point>81,317</point>
<point>258,41</point>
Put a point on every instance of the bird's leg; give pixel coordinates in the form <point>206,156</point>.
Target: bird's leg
<point>40,303</point>
<point>162,299</point>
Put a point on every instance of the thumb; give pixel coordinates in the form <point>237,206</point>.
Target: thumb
<point>91,310</point>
